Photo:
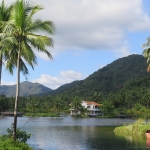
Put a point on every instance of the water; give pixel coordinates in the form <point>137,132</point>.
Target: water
<point>67,133</point>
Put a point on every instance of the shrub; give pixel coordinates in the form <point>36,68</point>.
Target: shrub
<point>21,136</point>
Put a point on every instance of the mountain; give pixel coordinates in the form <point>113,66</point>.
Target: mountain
<point>110,78</point>
<point>26,89</point>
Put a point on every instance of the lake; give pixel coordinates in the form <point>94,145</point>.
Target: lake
<point>69,133</point>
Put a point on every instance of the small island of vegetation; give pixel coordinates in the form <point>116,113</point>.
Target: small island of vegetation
<point>138,128</point>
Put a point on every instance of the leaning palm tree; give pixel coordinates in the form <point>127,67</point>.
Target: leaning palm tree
<point>4,16</point>
<point>21,31</point>
<point>9,59</point>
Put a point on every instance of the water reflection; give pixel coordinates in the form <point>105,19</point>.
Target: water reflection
<point>136,141</point>
<point>67,133</point>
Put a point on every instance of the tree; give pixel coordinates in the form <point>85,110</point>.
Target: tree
<point>146,52</point>
<point>97,97</point>
<point>11,57</point>
<point>4,103</point>
<point>58,104</point>
<point>21,33</point>
<point>32,106</point>
<point>76,104</point>
<point>4,16</point>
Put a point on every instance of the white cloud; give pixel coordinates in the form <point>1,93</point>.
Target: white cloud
<point>96,24</point>
<point>63,78</point>
<point>93,24</point>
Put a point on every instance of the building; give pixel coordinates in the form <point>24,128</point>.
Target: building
<point>93,109</point>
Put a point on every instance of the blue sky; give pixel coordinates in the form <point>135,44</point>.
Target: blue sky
<point>89,35</point>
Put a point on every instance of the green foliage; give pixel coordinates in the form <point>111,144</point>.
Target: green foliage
<point>137,128</point>
<point>107,109</point>
<point>21,136</point>
<point>8,144</point>
<point>127,91</point>
<point>121,73</point>
<point>76,103</point>
<point>110,78</point>
<point>4,103</point>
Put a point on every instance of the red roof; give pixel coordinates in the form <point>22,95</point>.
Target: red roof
<point>92,103</point>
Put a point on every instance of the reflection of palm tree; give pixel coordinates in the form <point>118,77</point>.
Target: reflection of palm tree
<point>21,32</point>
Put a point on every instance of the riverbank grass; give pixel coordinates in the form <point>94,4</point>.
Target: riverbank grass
<point>42,114</point>
<point>8,144</point>
<point>138,128</point>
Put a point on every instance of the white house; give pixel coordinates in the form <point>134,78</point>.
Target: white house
<point>93,108</point>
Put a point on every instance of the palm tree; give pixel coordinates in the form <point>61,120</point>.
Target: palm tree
<point>9,58</point>
<point>4,16</point>
<point>76,104</point>
<point>97,97</point>
<point>32,106</point>
<point>21,31</point>
<point>58,104</point>
<point>146,52</point>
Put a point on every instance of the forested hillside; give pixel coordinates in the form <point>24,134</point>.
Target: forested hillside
<point>110,78</point>
<point>26,89</point>
<point>122,87</point>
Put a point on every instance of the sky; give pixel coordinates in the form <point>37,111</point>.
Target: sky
<point>89,35</point>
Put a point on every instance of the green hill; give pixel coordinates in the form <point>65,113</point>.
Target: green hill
<point>110,78</point>
<point>26,89</point>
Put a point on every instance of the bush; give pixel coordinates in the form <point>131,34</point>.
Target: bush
<point>21,136</point>
<point>136,128</point>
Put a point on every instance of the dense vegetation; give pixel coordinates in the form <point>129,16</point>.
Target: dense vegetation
<point>110,78</point>
<point>8,144</point>
<point>122,87</point>
<point>135,130</point>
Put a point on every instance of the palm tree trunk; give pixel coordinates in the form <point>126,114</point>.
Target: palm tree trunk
<point>17,95</point>
<point>0,69</point>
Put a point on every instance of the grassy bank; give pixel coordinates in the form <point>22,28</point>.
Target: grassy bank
<point>42,114</point>
<point>138,128</point>
<point>8,144</point>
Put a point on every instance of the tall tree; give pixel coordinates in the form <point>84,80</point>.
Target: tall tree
<point>146,52</point>
<point>4,16</point>
<point>8,57</point>
<point>76,103</point>
<point>22,31</point>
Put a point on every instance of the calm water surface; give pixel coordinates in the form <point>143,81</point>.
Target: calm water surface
<point>67,133</point>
